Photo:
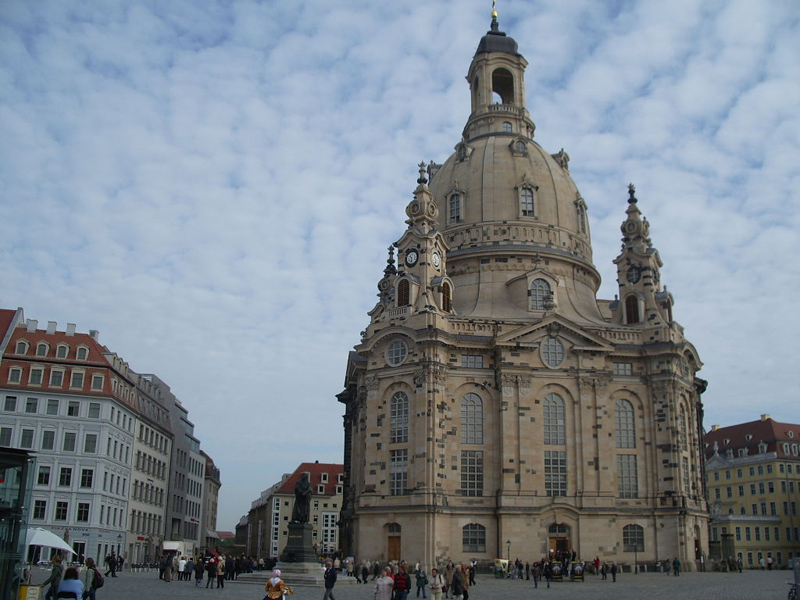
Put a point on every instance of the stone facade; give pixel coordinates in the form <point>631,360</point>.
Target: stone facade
<point>494,405</point>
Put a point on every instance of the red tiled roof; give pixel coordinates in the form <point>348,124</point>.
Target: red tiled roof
<point>315,471</point>
<point>772,433</point>
<point>226,535</point>
<point>6,320</point>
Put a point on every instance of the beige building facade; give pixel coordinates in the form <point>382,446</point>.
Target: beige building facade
<point>494,405</point>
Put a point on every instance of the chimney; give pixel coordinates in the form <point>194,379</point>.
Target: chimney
<point>32,325</point>
<point>94,334</point>
<point>51,327</point>
<point>70,329</point>
<point>714,427</point>
<point>765,417</point>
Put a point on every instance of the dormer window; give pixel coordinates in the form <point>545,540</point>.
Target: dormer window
<point>323,477</point>
<point>519,148</point>
<point>762,448</point>
<point>526,202</point>
<point>462,153</point>
<point>41,349</point>
<point>454,209</point>
<point>540,293</point>
<point>790,434</point>
<point>748,437</point>
<point>22,347</point>
<point>743,452</point>
<point>83,353</point>
<point>62,351</point>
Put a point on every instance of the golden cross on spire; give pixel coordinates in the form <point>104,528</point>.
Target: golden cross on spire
<point>494,9</point>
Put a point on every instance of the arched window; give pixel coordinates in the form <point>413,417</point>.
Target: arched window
<point>403,293</point>
<point>455,209</point>
<point>62,351</point>
<point>581,218</point>
<point>632,309</point>
<point>526,202</point>
<point>399,416</point>
<point>506,127</point>
<point>41,349</point>
<point>22,347</point>
<point>558,529</point>
<point>472,419</point>
<point>554,421</point>
<point>503,85</point>
<point>682,429</point>
<point>447,300</point>
<point>540,293</point>
<point>625,424</point>
<point>474,538</point>
<point>633,538</point>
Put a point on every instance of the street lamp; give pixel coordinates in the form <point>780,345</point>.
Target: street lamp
<point>508,554</point>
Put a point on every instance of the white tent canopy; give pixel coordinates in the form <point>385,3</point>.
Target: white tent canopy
<point>36,536</point>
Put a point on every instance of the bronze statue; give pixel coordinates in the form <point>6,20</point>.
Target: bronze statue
<point>302,500</point>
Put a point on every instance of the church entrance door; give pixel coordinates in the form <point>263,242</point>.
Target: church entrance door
<point>394,547</point>
<point>558,544</point>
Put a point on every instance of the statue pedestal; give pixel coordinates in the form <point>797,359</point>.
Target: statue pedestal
<point>300,546</point>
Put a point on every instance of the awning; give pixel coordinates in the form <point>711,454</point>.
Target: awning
<point>214,553</point>
<point>211,534</point>
<point>171,546</point>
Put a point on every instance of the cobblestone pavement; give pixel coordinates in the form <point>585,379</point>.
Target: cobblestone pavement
<point>751,585</point>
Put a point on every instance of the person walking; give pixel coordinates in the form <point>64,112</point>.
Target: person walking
<point>211,572</point>
<point>402,583</point>
<point>457,586</point>
<point>384,585</point>
<point>55,578</point>
<point>676,567</point>
<point>536,571</point>
<point>275,587</point>
<point>90,579</point>
<point>199,569</point>
<point>330,581</point>
<point>614,572</point>
<point>437,584</point>
<point>221,572</point>
<point>422,581</point>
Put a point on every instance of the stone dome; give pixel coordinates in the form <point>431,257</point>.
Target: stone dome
<point>508,206</point>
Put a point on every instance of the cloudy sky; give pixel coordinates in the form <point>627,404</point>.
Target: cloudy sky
<point>213,185</point>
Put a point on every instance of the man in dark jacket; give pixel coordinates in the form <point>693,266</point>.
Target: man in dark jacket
<point>402,583</point>
<point>458,583</point>
<point>330,581</point>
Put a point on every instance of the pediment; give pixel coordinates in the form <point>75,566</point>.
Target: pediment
<point>531,335</point>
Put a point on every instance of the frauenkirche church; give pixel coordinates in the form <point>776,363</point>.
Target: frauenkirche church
<point>494,404</point>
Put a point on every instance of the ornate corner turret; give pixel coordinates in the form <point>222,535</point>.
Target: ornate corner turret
<point>642,301</point>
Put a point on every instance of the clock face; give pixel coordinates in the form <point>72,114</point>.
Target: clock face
<point>634,274</point>
<point>437,260</point>
<point>412,257</point>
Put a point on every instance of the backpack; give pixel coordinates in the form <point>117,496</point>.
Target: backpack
<point>98,580</point>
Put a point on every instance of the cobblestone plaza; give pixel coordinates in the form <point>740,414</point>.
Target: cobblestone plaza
<point>750,585</point>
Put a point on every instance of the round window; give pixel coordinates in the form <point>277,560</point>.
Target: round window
<point>396,353</point>
<point>553,352</point>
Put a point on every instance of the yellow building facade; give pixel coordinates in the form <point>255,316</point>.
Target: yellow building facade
<point>753,487</point>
